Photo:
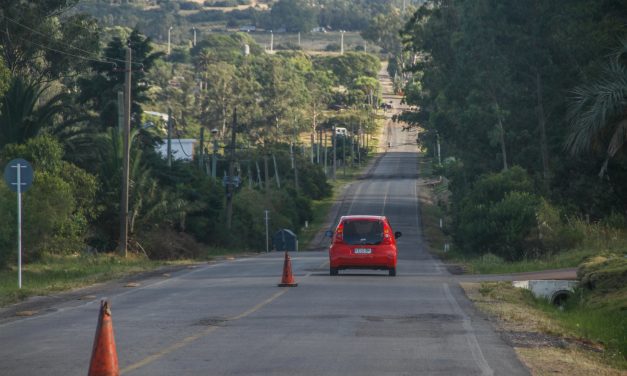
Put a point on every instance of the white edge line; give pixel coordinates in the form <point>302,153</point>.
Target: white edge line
<point>471,338</point>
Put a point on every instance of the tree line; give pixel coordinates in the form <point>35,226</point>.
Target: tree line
<point>527,100</point>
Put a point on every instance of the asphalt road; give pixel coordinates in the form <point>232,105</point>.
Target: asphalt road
<point>230,318</point>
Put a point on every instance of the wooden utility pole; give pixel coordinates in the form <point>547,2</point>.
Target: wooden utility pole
<point>127,151</point>
<point>334,140</point>
<point>169,147</point>
<point>276,172</point>
<point>201,154</point>
<point>120,111</point>
<point>266,173</point>
<point>230,182</point>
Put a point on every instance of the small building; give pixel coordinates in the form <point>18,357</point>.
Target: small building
<point>182,148</point>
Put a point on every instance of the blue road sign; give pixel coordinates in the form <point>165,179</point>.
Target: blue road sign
<point>25,174</point>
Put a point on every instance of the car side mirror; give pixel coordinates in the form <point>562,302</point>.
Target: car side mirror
<point>328,234</point>
<point>398,234</point>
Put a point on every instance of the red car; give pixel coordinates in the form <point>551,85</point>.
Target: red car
<point>363,242</point>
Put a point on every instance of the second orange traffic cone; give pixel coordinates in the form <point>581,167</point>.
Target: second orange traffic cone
<point>104,358</point>
<point>288,278</point>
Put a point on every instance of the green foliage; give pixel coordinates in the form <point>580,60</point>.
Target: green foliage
<point>333,47</point>
<point>35,34</point>
<point>489,80</point>
<point>554,233</point>
<point>100,91</point>
<point>5,79</point>
<point>59,206</point>
<point>150,206</point>
<point>293,15</point>
<point>350,66</point>
<point>248,218</point>
<point>24,112</point>
<point>598,111</point>
<point>498,216</point>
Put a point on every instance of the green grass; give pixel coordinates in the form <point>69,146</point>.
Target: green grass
<point>491,264</point>
<point>58,273</point>
<point>604,322</point>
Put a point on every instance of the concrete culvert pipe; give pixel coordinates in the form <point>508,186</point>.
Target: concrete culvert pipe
<point>560,297</point>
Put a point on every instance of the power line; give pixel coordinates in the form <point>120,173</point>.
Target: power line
<point>60,51</point>
<point>64,52</point>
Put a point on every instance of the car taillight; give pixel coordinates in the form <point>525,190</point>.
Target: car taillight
<point>339,233</point>
<point>388,237</point>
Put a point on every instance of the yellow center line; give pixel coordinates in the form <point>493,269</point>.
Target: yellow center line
<point>190,339</point>
<point>149,359</point>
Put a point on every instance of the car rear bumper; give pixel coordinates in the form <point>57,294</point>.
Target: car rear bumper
<point>345,259</point>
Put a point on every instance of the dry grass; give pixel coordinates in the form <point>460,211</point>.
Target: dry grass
<point>555,348</point>
<point>571,362</point>
<point>503,301</point>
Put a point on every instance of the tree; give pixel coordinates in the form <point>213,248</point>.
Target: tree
<point>598,112</point>
<point>294,15</point>
<point>24,113</point>
<point>58,208</point>
<point>41,41</point>
<point>100,90</point>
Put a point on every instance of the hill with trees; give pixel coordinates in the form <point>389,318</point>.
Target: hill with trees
<point>61,75</point>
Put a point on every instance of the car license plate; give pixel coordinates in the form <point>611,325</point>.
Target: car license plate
<point>362,251</point>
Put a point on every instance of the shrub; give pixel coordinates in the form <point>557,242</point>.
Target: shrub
<point>57,209</point>
<point>498,215</point>
<point>206,16</point>
<point>288,46</point>
<point>164,243</point>
<point>190,5</point>
<point>553,233</point>
<point>333,47</point>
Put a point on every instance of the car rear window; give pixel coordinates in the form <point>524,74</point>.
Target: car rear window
<point>362,231</point>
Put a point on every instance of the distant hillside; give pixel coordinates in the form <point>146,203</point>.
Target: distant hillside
<point>155,18</point>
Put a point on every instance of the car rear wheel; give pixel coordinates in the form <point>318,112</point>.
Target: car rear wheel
<point>392,272</point>
<point>333,271</point>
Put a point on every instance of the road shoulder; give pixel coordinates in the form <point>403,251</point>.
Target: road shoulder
<point>539,342</point>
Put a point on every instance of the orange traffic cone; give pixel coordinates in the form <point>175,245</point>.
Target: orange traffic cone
<point>104,358</point>
<point>288,278</point>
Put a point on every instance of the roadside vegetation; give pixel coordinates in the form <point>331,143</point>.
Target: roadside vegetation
<point>61,71</point>
<point>524,164</point>
<point>585,336</point>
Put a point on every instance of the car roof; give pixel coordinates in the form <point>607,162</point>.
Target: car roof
<point>368,217</point>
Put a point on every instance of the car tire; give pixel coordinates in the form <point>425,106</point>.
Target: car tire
<point>392,272</point>
<point>333,271</point>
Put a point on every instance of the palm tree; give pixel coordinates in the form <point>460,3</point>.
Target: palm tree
<point>598,111</point>
<point>23,114</point>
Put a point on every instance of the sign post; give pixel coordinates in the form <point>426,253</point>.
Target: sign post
<point>18,175</point>
<point>267,218</point>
